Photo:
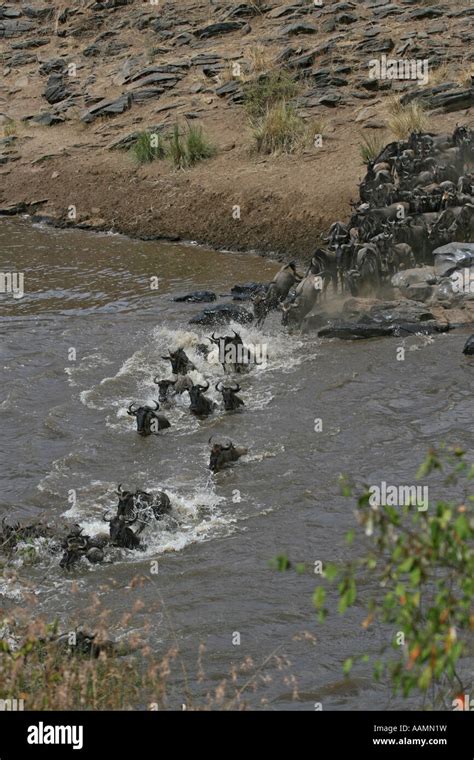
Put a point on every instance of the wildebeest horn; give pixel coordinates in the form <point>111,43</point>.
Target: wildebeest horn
<point>76,542</point>
<point>201,387</point>
<point>155,380</point>
<point>217,386</point>
<point>237,389</point>
<point>157,405</point>
<point>166,358</point>
<point>119,489</point>
<point>236,334</point>
<point>129,410</point>
<point>106,518</point>
<point>226,448</point>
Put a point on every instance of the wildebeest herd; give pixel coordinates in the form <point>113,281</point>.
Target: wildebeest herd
<point>416,196</point>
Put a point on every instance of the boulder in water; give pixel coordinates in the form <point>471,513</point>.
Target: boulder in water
<point>222,315</point>
<point>197,296</point>
<point>469,346</point>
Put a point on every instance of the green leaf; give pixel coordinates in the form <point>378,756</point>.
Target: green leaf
<point>319,596</point>
<point>347,667</point>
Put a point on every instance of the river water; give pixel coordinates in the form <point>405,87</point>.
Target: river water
<point>65,428</point>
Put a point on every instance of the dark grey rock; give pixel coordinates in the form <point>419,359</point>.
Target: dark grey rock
<point>15,28</point>
<point>448,258</point>
<point>147,94</point>
<point>56,65</point>
<point>300,27</point>
<point>376,46</point>
<point>229,88</point>
<point>48,119</point>
<point>222,315</point>
<point>33,43</point>
<point>108,108</point>
<point>221,27</point>
<point>56,90</point>
<point>430,11</point>
<point>197,296</point>
<point>468,349</point>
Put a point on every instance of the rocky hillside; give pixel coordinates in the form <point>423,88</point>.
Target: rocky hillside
<point>82,79</point>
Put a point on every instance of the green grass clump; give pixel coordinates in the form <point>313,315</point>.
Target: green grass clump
<point>187,150</point>
<point>148,147</point>
<point>262,93</point>
<point>280,130</point>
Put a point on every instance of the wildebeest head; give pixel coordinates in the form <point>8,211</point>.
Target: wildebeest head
<point>165,389</point>
<point>148,421</point>
<point>222,455</point>
<point>231,401</point>
<point>180,364</point>
<point>218,456</point>
<point>75,546</point>
<point>200,405</point>
<point>121,533</point>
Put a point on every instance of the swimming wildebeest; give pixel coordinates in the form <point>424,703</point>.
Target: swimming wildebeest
<point>77,545</point>
<point>168,388</point>
<point>200,405</point>
<point>148,422</point>
<point>224,455</point>
<point>231,351</point>
<point>180,364</point>
<point>231,401</point>
<point>142,504</point>
<point>121,534</point>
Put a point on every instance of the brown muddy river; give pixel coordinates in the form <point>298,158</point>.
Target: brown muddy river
<point>65,429</point>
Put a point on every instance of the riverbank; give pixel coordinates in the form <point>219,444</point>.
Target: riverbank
<point>60,62</point>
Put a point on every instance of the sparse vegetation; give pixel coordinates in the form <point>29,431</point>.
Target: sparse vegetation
<point>48,677</point>
<point>188,150</point>
<point>148,147</point>
<point>10,128</point>
<point>260,59</point>
<point>262,93</point>
<point>371,146</point>
<point>280,130</point>
<point>404,120</point>
<point>198,147</point>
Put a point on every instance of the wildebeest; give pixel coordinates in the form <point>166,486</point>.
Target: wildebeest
<point>276,292</point>
<point>305,298</point>
<point>365,279</point>
<point>168,388</point>
<point>180,363</point>
<point>77,545</point>
<point>200,405</point>
<point>148,422</point>
<point>231,351</point>
<point>142,504</point>
<point>231,401</point>
<point>121,534</point>
<point>224,455</point>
